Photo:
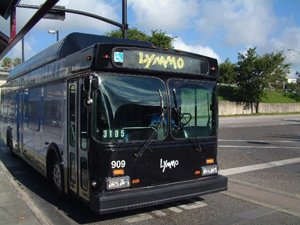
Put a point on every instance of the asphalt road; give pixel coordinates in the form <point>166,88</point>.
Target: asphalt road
<point>260,156</point>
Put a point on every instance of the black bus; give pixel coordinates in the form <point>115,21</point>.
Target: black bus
<point>120,124</point>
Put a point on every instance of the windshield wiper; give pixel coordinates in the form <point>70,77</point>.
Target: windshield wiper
<point>160,121</point>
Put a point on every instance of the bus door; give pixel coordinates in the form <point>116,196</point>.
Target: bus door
<point>77,141</point>
<point>20,114</point>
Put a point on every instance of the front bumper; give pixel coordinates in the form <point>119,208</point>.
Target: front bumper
<point>155,195</point>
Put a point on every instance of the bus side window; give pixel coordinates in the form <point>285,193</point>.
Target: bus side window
<point>33,108</point>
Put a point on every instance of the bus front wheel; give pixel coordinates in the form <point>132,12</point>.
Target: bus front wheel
<point>56,177</point>
<point>9,141</point>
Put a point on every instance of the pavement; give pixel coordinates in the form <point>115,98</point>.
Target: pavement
<point>16,207</point>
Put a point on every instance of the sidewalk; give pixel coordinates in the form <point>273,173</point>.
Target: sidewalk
<point>15,204</point>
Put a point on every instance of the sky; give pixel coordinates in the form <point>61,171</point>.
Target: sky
<point>216,28</point>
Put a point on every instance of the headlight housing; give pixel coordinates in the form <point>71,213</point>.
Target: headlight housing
<point>113,183</point>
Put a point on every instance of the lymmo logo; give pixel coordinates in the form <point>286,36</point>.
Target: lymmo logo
<point>164,164</point>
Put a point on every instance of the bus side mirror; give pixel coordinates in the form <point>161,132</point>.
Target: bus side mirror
<point>90,83</point>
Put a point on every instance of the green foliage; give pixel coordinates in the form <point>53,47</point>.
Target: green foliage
<point>227,92</point>
<point>293,90</point>
<point>249,80</point>
<point>132,34</point>
<point>228,72</point>
<point>8,62</point>
<point>279,97</point>
<point>256,74</point>
<point>161,39</point>
<point>157,37</point>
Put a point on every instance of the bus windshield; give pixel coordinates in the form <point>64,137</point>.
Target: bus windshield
<point>191,108</point>
<point>130,108</point>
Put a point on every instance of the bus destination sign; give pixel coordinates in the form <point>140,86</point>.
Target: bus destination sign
<point>159,61</point>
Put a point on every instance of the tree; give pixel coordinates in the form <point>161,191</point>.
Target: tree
<point>161,39</point>
<point>17,61</point>
<point>132,34</point>
<point>255,74</point>
<point>9,63</point>
<point>274,69</point>
<point>157,37</point>
<point>228,72</point>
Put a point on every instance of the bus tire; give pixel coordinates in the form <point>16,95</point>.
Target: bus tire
<point>9,141</point>
<point>55,175</point>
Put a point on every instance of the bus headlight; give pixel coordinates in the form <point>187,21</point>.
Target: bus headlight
<point>117,182</point>
<point>209,170</point>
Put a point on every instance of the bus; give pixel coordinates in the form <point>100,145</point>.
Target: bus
<point>117,123</point>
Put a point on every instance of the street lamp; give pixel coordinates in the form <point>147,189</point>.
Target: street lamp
<point>54,32</point>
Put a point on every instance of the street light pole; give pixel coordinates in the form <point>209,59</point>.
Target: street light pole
<point>54,32</point>
<point>23,53</point>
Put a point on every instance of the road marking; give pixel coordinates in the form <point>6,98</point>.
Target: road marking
<point>139,218</point>
<point>262,141</point>
<point>159,213</point>
<point>255,146</point>
<point>194,205</point>
<point>175,209</point>
<point>261,166</point>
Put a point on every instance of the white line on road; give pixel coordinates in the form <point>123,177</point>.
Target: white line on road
<point>159,213</point>
<point>261,166</point>
<point>262,141</point>
<point>139,218</point>
<point>255,146</point>
<point>175,209</point>
<point>194,205</point>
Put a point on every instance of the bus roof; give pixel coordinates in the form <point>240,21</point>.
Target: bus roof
<point>72,43</point>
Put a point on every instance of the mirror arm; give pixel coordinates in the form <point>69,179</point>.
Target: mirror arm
<point>90,100</point>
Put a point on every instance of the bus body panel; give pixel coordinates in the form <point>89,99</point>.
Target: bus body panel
<point>155,195</point>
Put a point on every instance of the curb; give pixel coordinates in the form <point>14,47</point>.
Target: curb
<point>39,215</point>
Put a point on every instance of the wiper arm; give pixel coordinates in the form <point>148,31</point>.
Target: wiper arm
<point>146,144</point>
<point>161,120</point>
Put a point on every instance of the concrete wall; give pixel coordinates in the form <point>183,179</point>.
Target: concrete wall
<point>233,108</point>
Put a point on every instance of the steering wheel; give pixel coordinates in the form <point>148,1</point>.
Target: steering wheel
<point>185,118</point>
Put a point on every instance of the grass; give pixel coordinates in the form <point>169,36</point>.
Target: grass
<point>279,97</point>
<point>226,93</point>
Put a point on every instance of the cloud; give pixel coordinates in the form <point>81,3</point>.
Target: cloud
<point>167,15</point>
<point>198,49</point>
<point>242,22</point>
<point>289,43</point>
